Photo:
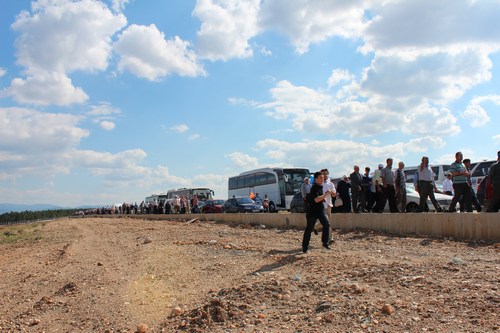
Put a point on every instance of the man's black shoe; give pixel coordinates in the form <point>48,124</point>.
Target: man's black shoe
<point>327,247</point>
<point>440,209</point>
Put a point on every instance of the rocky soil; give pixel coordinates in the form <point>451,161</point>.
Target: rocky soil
<point>137,275</point>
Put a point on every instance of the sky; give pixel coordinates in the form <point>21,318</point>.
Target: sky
<point>104,102</point>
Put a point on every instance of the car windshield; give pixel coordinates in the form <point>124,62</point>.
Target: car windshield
<point>218,202</point>
<point>244,201</point>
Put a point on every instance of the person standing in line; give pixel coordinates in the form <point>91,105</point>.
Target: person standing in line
<point>343,187</point>
<point>400,181</point>
<point>317,211</point>
<point>328,186</point>
<point>494,175</point>
<point>474,200</point>
<point>460,186</point>
<point>367,181</point>
<point>426,185</point>
<point>387,177</point>
<point>377,189</point>
<point>304,191</point>
<point>357,190</point>
<point>448,185</point>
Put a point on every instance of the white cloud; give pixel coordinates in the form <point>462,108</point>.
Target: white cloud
<point>311,22</point>
<point>107,125</point>
<point>476,114</point>
<point>243,160</point>
<point>180,128</point>
<point>431,121</point>
<point>339,75</point>
<point>46,88</point>
<point>227,26</point>
<point>427,26</point>
<point>34,143</point>
<point>2,71</point>
<point>119,5</point>
<point>58,38</point>
<point>144,52</point>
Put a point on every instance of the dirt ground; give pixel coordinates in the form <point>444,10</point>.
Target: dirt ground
<point>133,275</point>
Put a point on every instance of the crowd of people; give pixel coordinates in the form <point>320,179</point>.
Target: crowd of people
<point>370,192</point>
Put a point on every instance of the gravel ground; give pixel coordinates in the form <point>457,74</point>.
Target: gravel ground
<point>131,275</point>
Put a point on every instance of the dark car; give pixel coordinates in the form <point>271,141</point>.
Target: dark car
<point>213,206</point>
<point>297,204</point>
<point>241,205</point>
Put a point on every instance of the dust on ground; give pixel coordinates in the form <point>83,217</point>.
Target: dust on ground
<point>138,275</point>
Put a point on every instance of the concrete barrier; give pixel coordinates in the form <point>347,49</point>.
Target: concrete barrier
<point>462,226</point>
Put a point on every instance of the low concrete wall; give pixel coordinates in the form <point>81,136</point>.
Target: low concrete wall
<point>463,226</point>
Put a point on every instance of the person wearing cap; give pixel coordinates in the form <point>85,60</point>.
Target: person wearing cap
<point>426,185</point>
<point>460,186</point>
<point>494,175</point>
<point>377,189</point>
<point>448,185</point>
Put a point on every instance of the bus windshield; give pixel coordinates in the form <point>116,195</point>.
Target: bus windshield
<point>293,179</point>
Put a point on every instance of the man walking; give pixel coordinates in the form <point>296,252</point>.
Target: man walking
<point>401,187</point>
<point>317,211</point>
<point>460,186</point>
<point>426,185</point>
<point>387,177</point>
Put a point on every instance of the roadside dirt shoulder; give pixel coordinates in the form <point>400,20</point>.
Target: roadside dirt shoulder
<point>111,275</point>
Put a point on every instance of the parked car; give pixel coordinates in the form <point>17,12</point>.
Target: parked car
<point>241,205</point>
<point>297,204</point>
<point>212,206</point>
<point>413,201</point>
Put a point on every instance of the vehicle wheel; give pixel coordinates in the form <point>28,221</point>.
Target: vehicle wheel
<point>293,209</point>
<point>412,207</point>
<point>272,207</point>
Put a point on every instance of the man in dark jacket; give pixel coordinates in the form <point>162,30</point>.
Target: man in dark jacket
<point>317,211</point>
<point>357,190</point>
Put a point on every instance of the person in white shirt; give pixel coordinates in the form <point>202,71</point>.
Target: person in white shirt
<point>328,186</point>
<point>448,185</point>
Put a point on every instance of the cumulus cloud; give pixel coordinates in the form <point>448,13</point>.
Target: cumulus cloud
<point>339,75</point>
<point>107,125</point>
<point>119,5</point>
<point>34,143</point>
<point>227,26</point>
<point>427,26</point>
<point>429,120</point>
<point>58,38</point>
<point>2,71</point>
<point>244,160</point>
<point>144,52</point>
<point>476,114</point>
<point>496,139</point>
<point>311,22</point>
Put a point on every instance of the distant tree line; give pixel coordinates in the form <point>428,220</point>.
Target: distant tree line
<point>30,216</point>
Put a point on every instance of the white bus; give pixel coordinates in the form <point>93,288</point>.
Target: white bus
<point>203,193</point>
<point>280,184</point>
<point>155,198</point>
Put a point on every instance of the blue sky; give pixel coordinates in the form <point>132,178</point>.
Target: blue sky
<point>104,102</point>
